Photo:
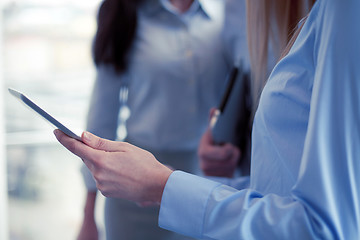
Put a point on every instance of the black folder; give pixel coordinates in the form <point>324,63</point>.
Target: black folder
<point>232,123</point>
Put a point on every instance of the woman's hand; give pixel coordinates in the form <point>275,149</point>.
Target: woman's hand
<point>120,169</point>
<point>217,160</point>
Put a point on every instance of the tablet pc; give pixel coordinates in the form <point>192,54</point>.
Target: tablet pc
<point>44,114</point>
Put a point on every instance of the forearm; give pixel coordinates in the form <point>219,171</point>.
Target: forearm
<point>89,209</point>
<point>88,230</point>
<point>204,209</point>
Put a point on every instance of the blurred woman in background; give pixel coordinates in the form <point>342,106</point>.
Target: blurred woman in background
<point>170,57</point>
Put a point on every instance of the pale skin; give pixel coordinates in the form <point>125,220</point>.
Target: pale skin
<point>217,160</point>
<point>121,170</point>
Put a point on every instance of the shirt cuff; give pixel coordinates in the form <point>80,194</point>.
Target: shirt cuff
<point>183,203</point>
<point>238,183</point>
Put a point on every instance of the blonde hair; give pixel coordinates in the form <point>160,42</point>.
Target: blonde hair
<point>270,23</point>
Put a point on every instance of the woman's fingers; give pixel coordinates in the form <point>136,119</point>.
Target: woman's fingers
<point>209,151</point>
<point>120,169</point>
<point>217,160</point>
<point>85,152</point>
<point>102,144</point>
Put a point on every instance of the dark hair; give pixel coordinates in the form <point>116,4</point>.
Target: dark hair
<point>116,29</point>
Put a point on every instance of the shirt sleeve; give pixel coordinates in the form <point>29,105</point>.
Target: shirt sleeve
<point>104,105</point>
<point>185,214</point>
<point>238,183</point>
<point>205,209</point>
<point>325,201</point>
<point>103,111</point>
<point>330,162</point>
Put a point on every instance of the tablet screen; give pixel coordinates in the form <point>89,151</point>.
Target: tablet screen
<point>44,114</point>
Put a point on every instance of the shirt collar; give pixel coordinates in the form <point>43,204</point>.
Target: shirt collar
<point>208,8</point>
<point>152,7</point>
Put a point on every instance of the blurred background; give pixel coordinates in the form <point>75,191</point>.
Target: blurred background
<point>46,54</point>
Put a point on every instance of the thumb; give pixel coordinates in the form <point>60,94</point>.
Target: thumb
<point>100,143</point>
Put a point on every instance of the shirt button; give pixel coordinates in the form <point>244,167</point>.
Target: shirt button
<point>191,81</point>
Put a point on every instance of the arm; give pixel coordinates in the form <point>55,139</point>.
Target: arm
<point>88,229</point>
<point>324,203</point>
<point>217,160</point>
<point>102,118</point>
<point>120,169</point>
<point>102,121</point>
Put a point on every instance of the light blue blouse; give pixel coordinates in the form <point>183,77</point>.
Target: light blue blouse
<point>305,175</point>
<point>177,71</point>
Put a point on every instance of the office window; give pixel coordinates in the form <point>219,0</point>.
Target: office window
<point>46,55</point>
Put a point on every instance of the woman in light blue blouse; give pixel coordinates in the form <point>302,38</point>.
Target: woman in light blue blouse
<point>171,57</point>
<point>305,172</point>
<point>271,28</point>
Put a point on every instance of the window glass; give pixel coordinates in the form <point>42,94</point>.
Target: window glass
<point>47,56</point>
